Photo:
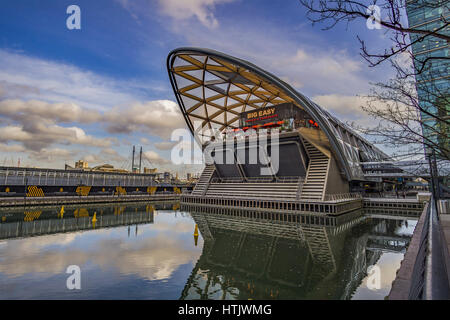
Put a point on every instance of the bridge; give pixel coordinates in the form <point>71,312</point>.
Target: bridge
<point>34,222</point>
<point>403,169</point>
<point>57,185</point>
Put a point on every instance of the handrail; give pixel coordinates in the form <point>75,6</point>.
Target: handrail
<point>417,277</point>
<point>58,199</point>
<point>287,179</point>
<point>342,196</point>
<point>436,277</point>
<point>429,278</point>
<point>251,196</point>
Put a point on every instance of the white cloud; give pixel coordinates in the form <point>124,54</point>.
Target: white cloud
<point>349,108</point>
<point>14,90</point>
<point>165,145</point>
<point>341,105</point>
<point>61,112</point>
<point>11,148</point>
<point>105,155</point>
<point>158,118</point>
<point>36,120</point>
<point>52,154</point>
<point>155,158</point>
<point>202,10</point>
<point>299,59</point>
<point>36,129</point>
<point>37,136</point>
<point>35,78</point>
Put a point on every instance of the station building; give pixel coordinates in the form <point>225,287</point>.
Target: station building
<point>229,104</point>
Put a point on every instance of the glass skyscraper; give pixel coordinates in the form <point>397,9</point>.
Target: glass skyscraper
<point>432,83</point>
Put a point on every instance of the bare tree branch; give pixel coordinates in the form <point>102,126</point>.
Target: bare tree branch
<point>330,13</point>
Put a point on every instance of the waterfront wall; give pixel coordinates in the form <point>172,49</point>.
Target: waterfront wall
<point>44,201</point>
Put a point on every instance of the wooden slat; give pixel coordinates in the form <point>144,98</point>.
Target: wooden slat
<point>186,68</point>
<point>192,60</point>
<point>190,87</point>
<point>194,107</point>
<point>189,77</point>
<point>192,96</point>
<point>217,68</point>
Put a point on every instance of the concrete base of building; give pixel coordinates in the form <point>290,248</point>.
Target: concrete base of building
<point>325,207</point>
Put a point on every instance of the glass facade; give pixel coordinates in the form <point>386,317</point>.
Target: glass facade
<point>433,82</point>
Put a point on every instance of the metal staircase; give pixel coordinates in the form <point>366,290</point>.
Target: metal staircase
<point>319,247</point>
<point>316,176</point>
<point>202,185</point>
<point>299,189</point>
<point>255,190</point>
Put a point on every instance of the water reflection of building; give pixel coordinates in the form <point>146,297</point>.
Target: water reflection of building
<point>18,223</point>
<point>250,257</point>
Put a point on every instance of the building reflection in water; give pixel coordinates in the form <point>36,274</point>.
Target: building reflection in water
<point>244,254</point>
<point>17,223</point>
<point>251,255</point>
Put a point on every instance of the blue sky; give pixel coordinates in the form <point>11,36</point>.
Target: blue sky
<point>92,93</point>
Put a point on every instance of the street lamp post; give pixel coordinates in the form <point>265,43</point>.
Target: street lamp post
<point>436,176</point>
<point>430,155</point>
<point>25,192</point>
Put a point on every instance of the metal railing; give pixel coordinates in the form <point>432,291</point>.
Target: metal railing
<point>263,195</point>
<point>289,179</point>
<point>286,179</point>
<point>12,177</point>
<point>436,277</point>
<point>254,195</point>
<point>342,196</point>
<point>227,180</point>
<point>429,280</point>
<point>392,195</point>
<point>418,274</point>
<point>97,198</point>
<point>248,196</point>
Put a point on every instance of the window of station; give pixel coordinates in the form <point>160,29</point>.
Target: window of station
<point>348,152</point>
<point>355,154</point>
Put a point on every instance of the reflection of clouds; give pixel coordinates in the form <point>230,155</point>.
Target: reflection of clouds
<point>406,230</point>
<point>388,263</point>
<point>51,262</point>
<point>20,256</point>
<point>28,245</point>
<point>153,258</point>
<point>179,226</point>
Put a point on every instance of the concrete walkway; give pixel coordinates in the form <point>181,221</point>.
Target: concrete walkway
<point>403,280</point>
<point>445,231</point>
